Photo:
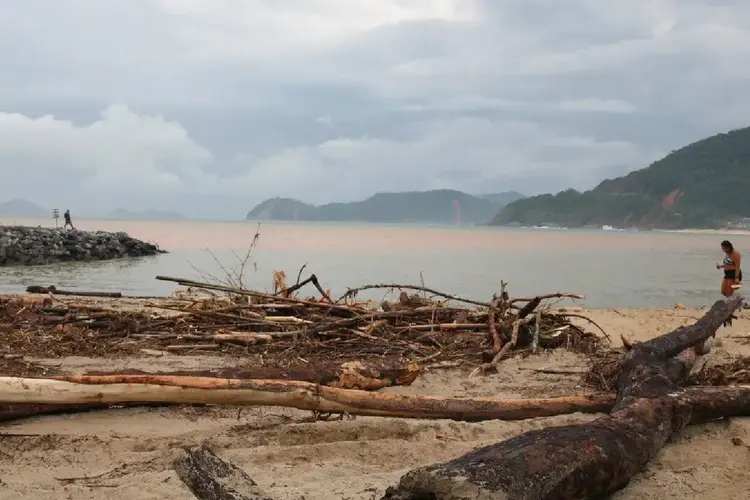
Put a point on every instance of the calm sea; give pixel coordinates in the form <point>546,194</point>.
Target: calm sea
<point>612,268</point>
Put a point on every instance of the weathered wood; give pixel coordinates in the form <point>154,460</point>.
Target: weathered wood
<point>595,459</point>
<point>18,411</point>
<point>366,376</point>
<point>572,462</point>
<point>53,290</point>
<point>330,308</point>
<point>210,478</point>
<point>117,389</point>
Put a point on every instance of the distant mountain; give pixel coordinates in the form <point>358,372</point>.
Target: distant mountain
<point>143,215</point>
<point>23,209</point>
<point>705,184</point>
<point>281,209</point>
<point>502,199</point>
<point>442,206</point>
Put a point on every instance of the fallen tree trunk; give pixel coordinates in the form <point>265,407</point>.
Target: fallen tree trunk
<point>117,389</point>
<point>12,412</point>
<point>210,478</point>
<point>76,293</point>
<point>595,459</point>
<point>348,375</point>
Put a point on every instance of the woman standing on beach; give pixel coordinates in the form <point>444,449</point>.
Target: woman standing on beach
<point>732,269</point>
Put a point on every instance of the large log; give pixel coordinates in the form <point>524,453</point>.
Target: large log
<point>51,289</point>
<point>348,375</point>
<point>13,412</point>
<point>210,478</point>
<point>117,389</point>
<point>594,459</point>
<point>366,376</point>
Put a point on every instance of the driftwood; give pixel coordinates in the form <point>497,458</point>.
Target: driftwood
<point>118,389</point>
<point>285,329</point>
<point>251,293</point>
<point>52,289</point>
<point>286,292</point>
<point>595,459</point>
<point>13,412</point>
<point>210,478</point>
<point>348,375</point>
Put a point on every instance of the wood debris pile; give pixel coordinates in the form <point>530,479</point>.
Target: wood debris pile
<point>607,364</point>
<point>426,325</point>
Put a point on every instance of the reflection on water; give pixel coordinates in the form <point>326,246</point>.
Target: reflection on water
<point>66,275</point>
<point>613,268</point>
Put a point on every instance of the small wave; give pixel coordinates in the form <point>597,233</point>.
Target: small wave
<point>543,227</point>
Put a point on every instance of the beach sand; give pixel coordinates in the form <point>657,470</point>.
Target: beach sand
<point>292,459</point>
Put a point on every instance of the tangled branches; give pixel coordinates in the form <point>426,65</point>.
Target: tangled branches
<point>213,318</point>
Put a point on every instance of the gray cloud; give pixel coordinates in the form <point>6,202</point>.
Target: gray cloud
<point>159,103</point>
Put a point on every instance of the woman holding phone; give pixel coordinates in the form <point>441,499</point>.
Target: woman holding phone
<point>732,269</point>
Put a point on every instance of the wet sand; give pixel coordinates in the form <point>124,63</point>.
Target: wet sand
<point>127,453</point>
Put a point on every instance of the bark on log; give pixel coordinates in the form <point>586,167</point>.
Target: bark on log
<point>117,389</point>
<point>595,459</point>
<point>210,478</point>
<point>13,412</point>
<point>55,291</point>
<point>348,375</point>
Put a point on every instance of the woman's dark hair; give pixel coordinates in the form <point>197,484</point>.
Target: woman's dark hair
<point>728,245</point>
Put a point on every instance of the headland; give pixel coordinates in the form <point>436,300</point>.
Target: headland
<point>29,246</point>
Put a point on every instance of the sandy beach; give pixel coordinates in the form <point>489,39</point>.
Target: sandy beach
<point>127,453</point>
<point>741,232</point>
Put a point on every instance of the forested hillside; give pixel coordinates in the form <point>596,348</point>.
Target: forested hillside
<point>705,184</point>
<point>443,206</point>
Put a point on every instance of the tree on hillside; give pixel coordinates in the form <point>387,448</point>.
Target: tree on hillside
<point>704,184</point>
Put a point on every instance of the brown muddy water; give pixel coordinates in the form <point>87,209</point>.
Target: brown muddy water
<point>612,268</point>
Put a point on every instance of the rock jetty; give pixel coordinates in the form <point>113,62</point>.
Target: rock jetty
<point>29,246</point>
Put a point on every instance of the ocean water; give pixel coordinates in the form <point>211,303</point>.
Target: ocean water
<point>612,268</point>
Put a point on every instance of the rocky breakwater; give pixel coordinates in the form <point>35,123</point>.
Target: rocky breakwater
<point>29,246</point>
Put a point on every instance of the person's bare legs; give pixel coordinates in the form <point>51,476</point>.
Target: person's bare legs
<point>726,288</point>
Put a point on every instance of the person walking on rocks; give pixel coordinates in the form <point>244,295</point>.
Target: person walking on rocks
<point>68,222</point>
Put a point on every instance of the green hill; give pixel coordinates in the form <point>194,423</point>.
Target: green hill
<point>438,206</point>
<point>705,184</point>
<point>281,209</point>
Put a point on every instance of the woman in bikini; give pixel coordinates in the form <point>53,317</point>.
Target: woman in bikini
<point>732,269</point>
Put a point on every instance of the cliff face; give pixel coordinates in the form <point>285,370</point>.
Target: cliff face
<point>28,246</point>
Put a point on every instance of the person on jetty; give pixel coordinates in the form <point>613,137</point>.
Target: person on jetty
<point>732,269</point>
<point>68,222</point>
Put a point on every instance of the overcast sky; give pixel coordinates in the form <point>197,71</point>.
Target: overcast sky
<point>210,106</point>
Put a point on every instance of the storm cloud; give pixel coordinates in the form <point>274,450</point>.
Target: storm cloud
<point>209,106</point>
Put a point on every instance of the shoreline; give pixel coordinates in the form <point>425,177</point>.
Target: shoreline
<point>87,221</point>
<point>130,450</point>
<point>127,302</point>
<point>739,232</point>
